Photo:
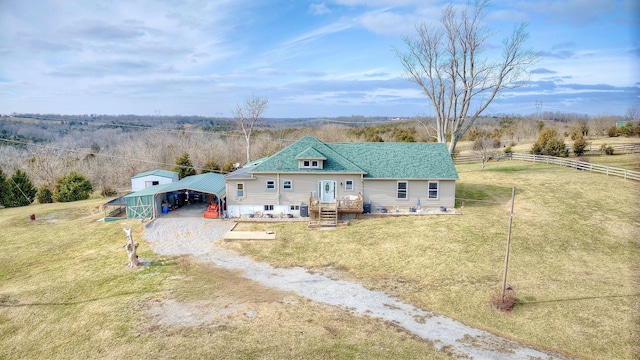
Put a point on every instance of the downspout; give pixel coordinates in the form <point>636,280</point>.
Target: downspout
<point>278,185</point>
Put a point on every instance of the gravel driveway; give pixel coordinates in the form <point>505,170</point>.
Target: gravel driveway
<point>198,237</point>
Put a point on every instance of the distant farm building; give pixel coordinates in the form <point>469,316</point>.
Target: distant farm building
<point>153,178</point>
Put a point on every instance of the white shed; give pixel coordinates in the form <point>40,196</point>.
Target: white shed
<point>151,178</point>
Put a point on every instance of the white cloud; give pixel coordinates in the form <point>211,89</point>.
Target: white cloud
<point>388,22</point>
<point>319,9</point>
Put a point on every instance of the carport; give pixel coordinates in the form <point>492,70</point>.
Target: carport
<point>148,203</point>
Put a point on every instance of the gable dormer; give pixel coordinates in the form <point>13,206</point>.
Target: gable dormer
<point>311,158</point>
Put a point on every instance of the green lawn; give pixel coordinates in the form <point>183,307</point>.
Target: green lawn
<point>574,261</point>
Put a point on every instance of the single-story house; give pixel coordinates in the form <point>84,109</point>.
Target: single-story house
<point>310,177</point>
<point>148,203</point>
<point>152,178</point>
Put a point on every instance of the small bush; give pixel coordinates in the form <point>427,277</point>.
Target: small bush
<point>210,166</point>
<point>108,192</point>
<point>508,150</point>
<point>579,145</point>
<point>613,132</point>
<point>626,130</point>
<point>229,167</point>
<point>72,187</point>
<point>608,150</point>
<point>45,196</point>
<point>549,143</point>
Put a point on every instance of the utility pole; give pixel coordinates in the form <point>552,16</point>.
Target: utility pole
<point>506,257</point>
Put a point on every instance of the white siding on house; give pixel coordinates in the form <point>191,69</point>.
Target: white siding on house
<point>302,185</point>
<point>383,193</point>
<point>144,182</point>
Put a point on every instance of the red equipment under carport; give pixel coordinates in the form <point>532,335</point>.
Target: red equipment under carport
<point>212,211</point>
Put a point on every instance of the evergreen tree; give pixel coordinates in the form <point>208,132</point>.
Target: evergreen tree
<point>549,143</point>
<point>579,145</point>
<point>45,196</point>
<point>184,166</point>
<point>18,190</point>
<point>72,187</point>
<point>211,166</point>
<point>3,187</point>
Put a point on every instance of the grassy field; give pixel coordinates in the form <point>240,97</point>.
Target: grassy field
<point>65,290</point>
<point>575,257</point>
<point>66,293</point>
<point>624,161</point>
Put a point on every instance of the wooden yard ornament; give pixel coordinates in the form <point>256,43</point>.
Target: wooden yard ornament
<point>131,248</point>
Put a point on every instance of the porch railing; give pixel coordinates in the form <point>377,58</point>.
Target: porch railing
<point>349,203</point>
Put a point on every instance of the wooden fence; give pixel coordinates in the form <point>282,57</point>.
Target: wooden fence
<point>579,165</point>
<point>544,159</point>
<point>617,149</point>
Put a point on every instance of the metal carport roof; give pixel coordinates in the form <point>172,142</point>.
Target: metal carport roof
<point>210,183</point>
<point>144,204</point>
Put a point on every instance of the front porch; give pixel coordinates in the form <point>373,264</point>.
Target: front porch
<point>327,214</point>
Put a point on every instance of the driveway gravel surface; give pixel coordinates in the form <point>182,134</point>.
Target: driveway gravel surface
<point>198,237</point>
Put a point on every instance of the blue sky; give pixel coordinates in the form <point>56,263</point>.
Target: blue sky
<point>310,58</point>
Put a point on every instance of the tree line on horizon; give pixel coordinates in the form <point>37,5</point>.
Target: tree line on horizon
<point>104,160</point>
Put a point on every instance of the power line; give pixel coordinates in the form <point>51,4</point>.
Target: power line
<point>19,188</point>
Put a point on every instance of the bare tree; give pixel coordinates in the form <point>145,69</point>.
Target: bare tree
<point>486,146</point>
<point>246,116</point>
<point>47,165</point>
<point>633,112</point>
<point>445,61</point>
<point>428,124</point>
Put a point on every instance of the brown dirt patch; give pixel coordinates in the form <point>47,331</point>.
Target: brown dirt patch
<point>222,298</point>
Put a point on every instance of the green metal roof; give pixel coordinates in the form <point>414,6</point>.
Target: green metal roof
<point>379,160</point>
<point>162,173</point>
<point>211,183</point>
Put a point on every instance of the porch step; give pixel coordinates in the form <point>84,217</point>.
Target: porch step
<point>328,216</point>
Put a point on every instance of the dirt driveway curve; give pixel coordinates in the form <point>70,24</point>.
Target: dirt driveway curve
<point>198,237</point>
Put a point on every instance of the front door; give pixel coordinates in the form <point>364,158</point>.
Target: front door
<point>327,190</point>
